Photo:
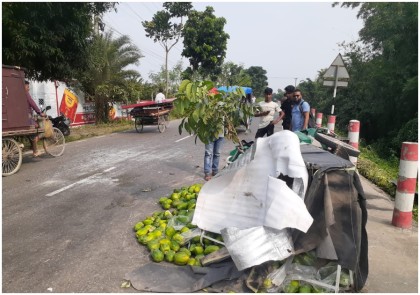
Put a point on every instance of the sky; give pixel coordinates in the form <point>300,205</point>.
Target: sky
<point>292,41</point>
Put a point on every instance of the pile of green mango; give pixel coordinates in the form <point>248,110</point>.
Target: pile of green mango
<point>165,242</point>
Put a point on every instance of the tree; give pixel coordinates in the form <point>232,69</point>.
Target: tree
<point>233,74</point>
<point>107,79</point>
<point>162,30</point>
<point>204,44</point>
<point>49,39</point>
<point>383,69</point>
<point>159,79</point>
<point>258,79</point>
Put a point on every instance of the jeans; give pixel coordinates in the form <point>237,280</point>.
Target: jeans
<point>212,156</point>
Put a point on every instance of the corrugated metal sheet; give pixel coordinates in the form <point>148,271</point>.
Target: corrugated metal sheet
<point>257,245</point>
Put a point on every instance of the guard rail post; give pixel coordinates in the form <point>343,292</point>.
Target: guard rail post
<point>354,129</point>
<point>318,120</point>
<point>406,186</point>
<point>331,123</point>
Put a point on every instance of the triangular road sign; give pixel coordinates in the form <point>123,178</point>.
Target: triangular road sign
<point>338,61</point>
<point>337,68</point>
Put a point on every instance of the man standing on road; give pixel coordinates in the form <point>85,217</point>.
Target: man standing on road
<point>300,112</point>
<point>212,156</point>
<point>287,106</point>
<point>268,109</point>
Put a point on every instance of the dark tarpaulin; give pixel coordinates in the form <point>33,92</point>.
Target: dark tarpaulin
<point>164,277</point>
<point>336,201</point>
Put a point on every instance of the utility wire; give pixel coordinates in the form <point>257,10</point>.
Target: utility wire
<point>129,6</point>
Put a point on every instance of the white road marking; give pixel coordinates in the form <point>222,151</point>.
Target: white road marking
<point>183,138</point>
<point>78,182</point>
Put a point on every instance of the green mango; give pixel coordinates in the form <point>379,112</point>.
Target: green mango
<point>157,255</point>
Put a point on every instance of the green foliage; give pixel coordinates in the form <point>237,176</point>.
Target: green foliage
<point>107,80</point>
<point>164,30</point>
<point>205,44</point>
<point>207,114</point>
<point>175,77</point>
<point>258,79</point>
<point>49,39</point>
<point>384,72</point>
<point>383,87</point>
<point>378,170</point>
<point>233,75</point>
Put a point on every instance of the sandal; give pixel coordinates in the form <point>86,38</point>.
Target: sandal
<point>207,177</point>
<point>36,155</point>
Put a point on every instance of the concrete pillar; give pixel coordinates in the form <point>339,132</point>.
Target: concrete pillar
<point>318,120</point>
<point>354,129</point>
<point>331,123</point>
<point>406,186</point>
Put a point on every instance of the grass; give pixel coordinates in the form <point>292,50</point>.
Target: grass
<point>86,131</point>
<point>381,172</point>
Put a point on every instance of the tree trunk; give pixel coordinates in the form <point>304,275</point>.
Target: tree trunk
<point>101,109</point>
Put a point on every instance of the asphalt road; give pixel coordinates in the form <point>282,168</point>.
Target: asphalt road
<point>67,221</point>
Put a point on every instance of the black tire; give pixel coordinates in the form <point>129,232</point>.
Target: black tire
<point>54,145</point>
<point>138,124</point>
<point>11,156</point>
<point>337,145</point>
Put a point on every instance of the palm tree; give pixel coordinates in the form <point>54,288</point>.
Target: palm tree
<point>107,79</point>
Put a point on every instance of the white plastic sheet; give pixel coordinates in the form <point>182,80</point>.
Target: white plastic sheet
<point>251,195</point>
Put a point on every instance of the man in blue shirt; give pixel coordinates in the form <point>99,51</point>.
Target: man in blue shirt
<point>300,112</point>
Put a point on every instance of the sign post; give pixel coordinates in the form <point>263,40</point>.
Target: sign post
<point>336,76</point>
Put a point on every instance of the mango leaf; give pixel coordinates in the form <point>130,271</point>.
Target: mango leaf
<point>188,91</point>
<point>183,85</point>
<point>181,126</point>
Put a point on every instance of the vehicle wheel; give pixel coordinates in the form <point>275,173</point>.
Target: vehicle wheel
<point>11,156</point>
<point>337,145</point>
<point>166,120</point>
<point>54,145</point>
<point>161,124</point>
<point>138,124</point>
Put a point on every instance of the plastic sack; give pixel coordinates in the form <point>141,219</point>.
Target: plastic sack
<point>179,221</point>
<point>48,129</point>
<point>328,275</point>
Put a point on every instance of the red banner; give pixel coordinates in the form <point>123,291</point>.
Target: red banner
<point>68,104</point>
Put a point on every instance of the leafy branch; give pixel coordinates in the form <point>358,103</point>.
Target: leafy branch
<point>207,112</point>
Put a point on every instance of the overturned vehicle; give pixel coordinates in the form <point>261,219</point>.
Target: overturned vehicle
<point>284,217</point>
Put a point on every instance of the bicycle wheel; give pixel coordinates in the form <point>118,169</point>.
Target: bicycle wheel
<point>11,156</point>
<point>138,124</point>
<point>54,145</point>
<point>161,124</point>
